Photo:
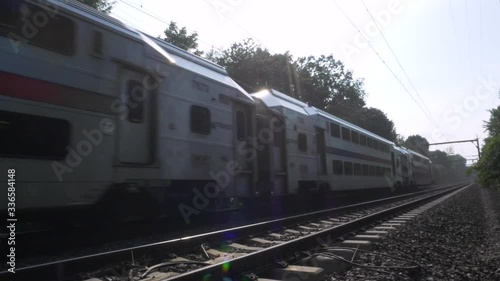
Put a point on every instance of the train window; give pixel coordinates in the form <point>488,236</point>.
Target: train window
<point>362,140</point>
<point>334,130</point>
<point>302,142</point>
<point>369,142</point>
<point>200,120</point>
<point>338,168</point>
<point>366,170</point>
<point>135,103</point>
<point>375,144</point>
<point>346,134</point>
<point>373,171</point>
<point>54,32</point>
<point>240,125</point>
<point>357,169</point>
<point>379,171</point>
<point>33,136</point>
<point>355,137</point>
<point>348,168</point>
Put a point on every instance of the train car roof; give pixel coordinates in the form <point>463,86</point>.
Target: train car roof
<point>181,58</point>
<point>273,98</point>
<point>352,126</point>
<point>401,149</point>
<point>418,154</point>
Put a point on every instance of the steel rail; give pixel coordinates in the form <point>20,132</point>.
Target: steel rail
<point>70,268</point>
<point>266,257</point>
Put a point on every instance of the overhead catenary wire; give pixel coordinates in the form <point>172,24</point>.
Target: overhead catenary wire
<point>383,61</point>
<point>151,14</point>
<point>397,60</point>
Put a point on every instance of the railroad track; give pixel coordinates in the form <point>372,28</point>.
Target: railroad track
<point>251,249</point>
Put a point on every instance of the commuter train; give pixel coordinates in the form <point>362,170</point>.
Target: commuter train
<point>96,114</point>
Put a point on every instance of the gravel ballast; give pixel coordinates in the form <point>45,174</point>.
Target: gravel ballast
<point>458,239</point>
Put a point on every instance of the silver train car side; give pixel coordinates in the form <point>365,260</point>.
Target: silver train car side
<point>92,111</point>
<point>96,115</point>
<point>318,151</point>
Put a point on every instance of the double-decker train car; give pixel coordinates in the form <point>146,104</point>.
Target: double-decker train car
<point>421,167</point>
<point>92,111</point>
<point>318,151</point>
<point>96,114</point>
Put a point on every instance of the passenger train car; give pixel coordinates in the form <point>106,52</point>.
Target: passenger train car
<point>320,151</point>
<point>95,113</point>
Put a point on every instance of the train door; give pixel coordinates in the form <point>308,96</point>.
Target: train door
<point>135,138</point>
<point>393,165</point>
<point>321,150</point>
<point>243,131</point>
<point>279,159</point>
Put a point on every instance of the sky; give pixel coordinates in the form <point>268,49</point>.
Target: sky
<point>433,66</point>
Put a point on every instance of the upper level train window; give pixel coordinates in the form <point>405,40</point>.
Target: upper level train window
<point>346,134</point>
<point>348,171</point>
<point>375,144</point>
<point>302,142</point>
<point>366,170</point>
<point>135,101</point>
<point>42,27</point>
<point>354,137</point>
<point>362,139</point>
<point>200,120</point>
<point>334,130</point>
<point>240,125</point>
<point>369,141</point>
<point>33,136</point>
<point>357,169</point>
<point>338,167</point>
<point>373,171</point>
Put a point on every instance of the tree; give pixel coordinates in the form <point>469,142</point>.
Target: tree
<point>488,166</point>
<point>418,144</point>
<point>181,38</point>
<point>493,125</point>
<point>324,82</point>
<point>439,157</point>
<point>400,140</point>
<point>104,6</point>
<point>375,121</point>
<point>255,68</point>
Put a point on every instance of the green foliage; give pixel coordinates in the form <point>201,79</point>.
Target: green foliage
<point>418,144</point>
<point>488,166</point>
<point>181,38</point>
<point>493,125</point>
<point>255,68</point>
<point>440,157</point>
<point>375,121</point>
<point>104,6</point>
<point>322,82</point>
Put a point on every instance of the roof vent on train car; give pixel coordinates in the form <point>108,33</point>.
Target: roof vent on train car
<point>97,44</point>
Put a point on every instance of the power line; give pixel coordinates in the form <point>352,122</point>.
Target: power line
<point>149,13</point>
<point>395,76</point>
<point>397,60</point>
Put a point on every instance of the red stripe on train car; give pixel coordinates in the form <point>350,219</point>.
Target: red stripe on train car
<point>22,87</point>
